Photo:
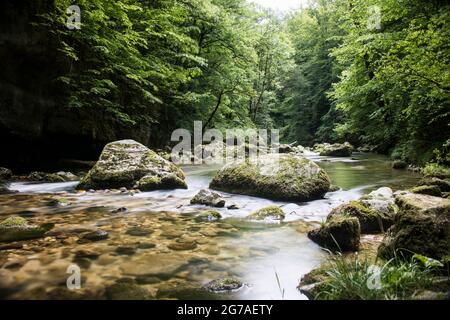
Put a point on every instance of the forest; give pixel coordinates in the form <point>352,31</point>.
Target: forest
<point>91,93</point>
<point>144,68</point>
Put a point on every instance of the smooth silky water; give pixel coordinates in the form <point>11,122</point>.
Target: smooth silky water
<point>158,242</point>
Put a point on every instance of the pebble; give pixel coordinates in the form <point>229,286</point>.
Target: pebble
<point>146,245</point>
<point>138,232</point>
<point>125,250</point>
<point>177,246</point>
<point>118,210</point>
<point>96,235</point>
<point>86,253</point>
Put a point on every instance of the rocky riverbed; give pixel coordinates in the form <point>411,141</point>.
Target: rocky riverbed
<point>156,244</point>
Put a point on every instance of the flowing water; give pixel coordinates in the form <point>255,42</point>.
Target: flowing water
<point>159,244</point>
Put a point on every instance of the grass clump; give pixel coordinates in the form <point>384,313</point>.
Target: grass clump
<point>360,279</point>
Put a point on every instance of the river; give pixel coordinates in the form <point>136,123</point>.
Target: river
<point>157,242</point>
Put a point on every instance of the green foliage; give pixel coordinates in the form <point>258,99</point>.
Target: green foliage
<point>320,74</point>
<point>310,114</point>
<point>436,170</point>
<point>166,63</point>
<point>393,90</point>
<point>385,87</point>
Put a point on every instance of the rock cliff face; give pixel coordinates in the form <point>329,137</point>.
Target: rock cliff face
<point>35,124</point>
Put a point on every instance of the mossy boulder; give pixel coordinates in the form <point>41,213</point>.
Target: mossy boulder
<point>208,198</point>
<point>67,176</point>
<point>371,221</point>
<point>285,148</point>
<point>209,215</point>
<point>5,173</point>
<point>443,184</point>
<point>129,164</point>
<point>312,283</point>
<point>45,177</point>
<point>399,164</point>
<point>338,233</point>
<point>334,150</point>
<point>421,226</point>
<point>279,177</point>
<point>17,229</point>
<point>270,212</point>
<point>429,190</point>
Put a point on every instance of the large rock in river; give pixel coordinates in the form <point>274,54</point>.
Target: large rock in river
<point>129,164</point>
<point>421,226</point>
<point>375,211</point>
<point>338,233</point>
<point>279,177</point>
<point>334,150</point>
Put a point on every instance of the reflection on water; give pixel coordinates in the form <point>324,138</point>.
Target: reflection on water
<point>158,244</point>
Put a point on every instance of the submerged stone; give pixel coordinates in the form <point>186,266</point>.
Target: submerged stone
<point>139,232</point>
<point>224,285</point>
<point>270,212</point>
<point>125,250</point>
<point>17,228</point>
<point>127,291</point>
<point>181,246</point>
<point>209,215</point>
<point>96,235</point>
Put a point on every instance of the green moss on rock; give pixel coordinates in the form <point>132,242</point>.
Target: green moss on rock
<point>129,164</point>
<point>270,212</point>
<point>334,150</point>
<point>208,198</point>
<point>421,226</point>
<point>209,215</point>
<point>429,190</point>
<point>17,229</point>
<point>338,233</point>
<point>371,221</point>
<point>224,285</point>
<point>280,177</point>
<point>443,184</point>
